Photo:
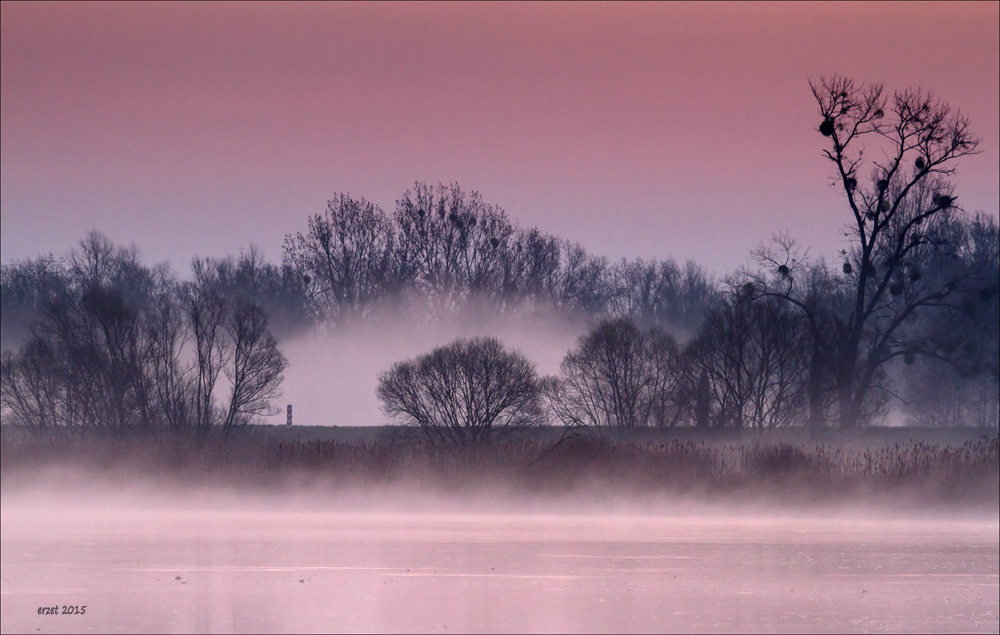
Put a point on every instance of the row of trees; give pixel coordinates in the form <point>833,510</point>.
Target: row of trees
<point>619,376</point>
<point>113,344</point>
<point>908,311</point>
<point>444,247</point>
<point>751,365</point>
<point>794,339</point>
<point>764,357</point>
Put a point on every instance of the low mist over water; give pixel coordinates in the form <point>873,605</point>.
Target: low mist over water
<point>153,560</point>
<point>347,529</point>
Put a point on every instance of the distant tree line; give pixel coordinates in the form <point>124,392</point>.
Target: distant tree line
<point>757,361</point>
<point>908,312</point>
<point>444,248</point>
<point>100,340</point>
<point>107,343</point>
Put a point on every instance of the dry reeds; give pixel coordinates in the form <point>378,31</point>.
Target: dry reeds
<point>942,473</point>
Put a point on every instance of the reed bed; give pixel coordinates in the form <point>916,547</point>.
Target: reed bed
<point>967,473</point>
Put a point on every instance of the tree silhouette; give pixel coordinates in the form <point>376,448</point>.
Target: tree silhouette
<point>465,392</point>
<point>901,206</point>
<point>255,371</point>
<point>618,376</point>
<point>748,355</point>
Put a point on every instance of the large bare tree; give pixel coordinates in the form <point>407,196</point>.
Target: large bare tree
<point>892,157</point>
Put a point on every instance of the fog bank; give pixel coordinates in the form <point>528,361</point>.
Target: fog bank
<point>332,376</point>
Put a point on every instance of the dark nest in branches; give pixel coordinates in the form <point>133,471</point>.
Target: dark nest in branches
<point>943,200</point>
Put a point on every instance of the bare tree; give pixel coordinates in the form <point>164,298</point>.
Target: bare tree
<point>345,260</point>
<point>30,387</point>
<point>168,335</point>
<point>120,346</point>
<point>206,314</point>
<point>901,202</point>
<point>817,295</point>
<point>531,266</point>
<point>93,338</point>
<point>453,244</point>
<point>618,376</point>
<point>255,372</point>
<point>279,291</point>
<point>25,286</point>
<point>465,392</point>
<point>96,328</point>
<point>582,281</point>
<point>660,292</point>
<point>748,356</point>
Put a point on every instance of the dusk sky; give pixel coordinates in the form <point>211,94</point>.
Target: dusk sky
<point>637,130</point>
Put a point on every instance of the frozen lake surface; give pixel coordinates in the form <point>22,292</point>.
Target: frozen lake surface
<point>230,569</point>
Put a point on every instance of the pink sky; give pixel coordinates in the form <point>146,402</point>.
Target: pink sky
<point>638,130</point>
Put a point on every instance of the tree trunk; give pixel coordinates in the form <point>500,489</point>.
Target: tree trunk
<point>815,394</point>
<point>702,402</point>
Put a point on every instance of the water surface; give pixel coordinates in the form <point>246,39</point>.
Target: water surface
<point>227,569</point>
